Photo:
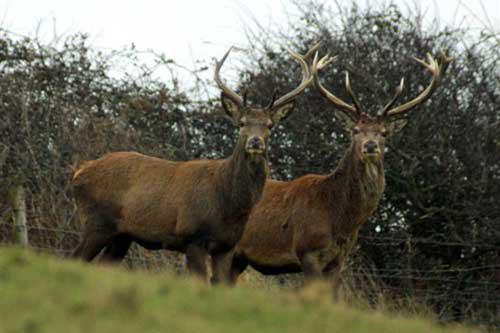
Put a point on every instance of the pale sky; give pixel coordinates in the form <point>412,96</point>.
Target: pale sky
<point>190,29</point>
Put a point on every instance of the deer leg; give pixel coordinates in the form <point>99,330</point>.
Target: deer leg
<point>92,243</point>
<point>195,260</point>
<point>221,267</point>
<point>311,267</point>
<point>238,266</point>
<point>117,250</point>
<point>333,272</point>
<point>97,234</point>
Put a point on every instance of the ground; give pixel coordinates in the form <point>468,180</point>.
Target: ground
<point>47,294</point>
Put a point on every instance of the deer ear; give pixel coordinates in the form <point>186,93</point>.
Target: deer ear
<point>282,112</point>
<point>346,121</point>
<point>231,108</point>
<point>397,125</point>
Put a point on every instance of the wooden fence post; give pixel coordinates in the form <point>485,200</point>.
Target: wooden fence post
<point>18,202</point>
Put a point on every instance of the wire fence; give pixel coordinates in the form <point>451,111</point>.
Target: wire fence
<point>466,291</point>
<point>445,291</point>
<point>61,242</point>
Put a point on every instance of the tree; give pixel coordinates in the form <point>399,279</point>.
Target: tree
<point>436,233</point>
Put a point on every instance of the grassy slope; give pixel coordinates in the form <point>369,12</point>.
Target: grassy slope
<point>44,294</point>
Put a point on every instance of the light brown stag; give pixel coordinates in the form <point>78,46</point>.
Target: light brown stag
<point>310,224</point>
<point>197,207</point>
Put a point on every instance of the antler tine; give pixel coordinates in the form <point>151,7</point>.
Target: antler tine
<point>351,93</point>
<point>399,91</point>
<point>312,51</point>
<point>307,77</point>
<point>337,102</point>
<point>323,62</point>
<point>273,98</point>
<point>444,60</point>
<point>230,93</point>
<point>437,68</point>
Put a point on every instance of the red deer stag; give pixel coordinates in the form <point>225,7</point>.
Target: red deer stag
<point>310,224</point>
<point>197,207</point>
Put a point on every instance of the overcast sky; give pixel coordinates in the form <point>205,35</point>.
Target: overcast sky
<point>189,29</point>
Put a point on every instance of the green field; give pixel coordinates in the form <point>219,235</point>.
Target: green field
<point>46,294</point>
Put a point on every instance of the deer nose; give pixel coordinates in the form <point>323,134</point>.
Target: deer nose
<point>371,147</point>
<point>256,143</point>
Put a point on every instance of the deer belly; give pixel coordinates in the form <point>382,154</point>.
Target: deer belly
<point>224,234</point>
<point>149,225</point>
<point>266,248</point>
<point>270,257</point>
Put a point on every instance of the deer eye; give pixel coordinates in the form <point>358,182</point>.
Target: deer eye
<point>383,133</point>
<point>270,125</point>
<point>355,130</point>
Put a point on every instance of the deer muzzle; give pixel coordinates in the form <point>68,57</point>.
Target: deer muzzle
<point>255,145</point>
<point>371,148</point>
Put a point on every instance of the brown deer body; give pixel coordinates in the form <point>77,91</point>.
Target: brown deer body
<point>311,224</point>
<point>197,207</point>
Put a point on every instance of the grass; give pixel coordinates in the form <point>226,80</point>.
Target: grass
<point>45,294</point>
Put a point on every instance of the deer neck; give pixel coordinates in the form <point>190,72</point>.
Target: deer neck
<point>243,179</point>
<point>356,187</point>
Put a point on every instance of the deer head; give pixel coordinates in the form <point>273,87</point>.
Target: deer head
<point>256,123</point>
<point>369,132</point>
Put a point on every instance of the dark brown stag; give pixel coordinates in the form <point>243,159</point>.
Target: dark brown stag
<point>310,224</point>
<point>197,207</point>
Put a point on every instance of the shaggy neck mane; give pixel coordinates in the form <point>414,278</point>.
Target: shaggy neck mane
<point>242,180</point>
<point>357,187</point>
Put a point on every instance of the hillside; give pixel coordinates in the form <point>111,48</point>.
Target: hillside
<point>46,294</point>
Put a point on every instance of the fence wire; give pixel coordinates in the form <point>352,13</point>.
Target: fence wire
<point>474,301</point>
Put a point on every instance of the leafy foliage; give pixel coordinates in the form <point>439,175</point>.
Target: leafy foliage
<point>436,234</point>
<point>438,225</point>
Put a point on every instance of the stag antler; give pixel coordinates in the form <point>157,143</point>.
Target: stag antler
<point>399,91</point>
<point>225,89</point>
<point>273,98</point>
<point>306,80</point>
<point>348,88</point>
<point>437,68</point>
<point>350,110</point>
<point>307,77</point>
